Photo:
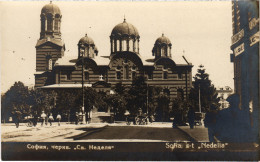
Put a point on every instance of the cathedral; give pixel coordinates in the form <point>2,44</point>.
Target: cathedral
<point>55,70</point>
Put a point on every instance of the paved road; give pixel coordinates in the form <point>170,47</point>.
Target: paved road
<point>133,132</point>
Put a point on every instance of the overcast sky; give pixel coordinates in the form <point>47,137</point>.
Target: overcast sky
<point>202,29</point>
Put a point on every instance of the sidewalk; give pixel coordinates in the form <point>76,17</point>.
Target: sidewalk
<point>198,133</point>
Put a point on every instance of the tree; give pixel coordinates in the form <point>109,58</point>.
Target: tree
<point>153,94</point>
<point>15,99</point>
<point>137,95</point>
<point>180,109</point>
<point>67,103</point>
<point>163,107</point>
<point>208,94</point>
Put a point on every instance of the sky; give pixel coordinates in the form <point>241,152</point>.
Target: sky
<point>201,31</point>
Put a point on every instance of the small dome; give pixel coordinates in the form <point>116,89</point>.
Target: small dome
<point>163,40</point>
<point>51,8</point>
<point>125,29</point>
<point>86,40</point>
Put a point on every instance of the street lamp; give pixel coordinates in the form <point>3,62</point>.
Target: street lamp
<point>82,51</point>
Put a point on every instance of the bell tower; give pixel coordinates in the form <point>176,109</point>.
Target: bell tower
<point>50,46</point>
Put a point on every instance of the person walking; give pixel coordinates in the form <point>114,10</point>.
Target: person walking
<point>43,117</point>
<point>16,117</point>
<point>191,117</point>
<point>58,118</point>
<point>51,119</point>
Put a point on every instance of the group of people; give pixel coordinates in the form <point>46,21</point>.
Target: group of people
<point>45,119</point>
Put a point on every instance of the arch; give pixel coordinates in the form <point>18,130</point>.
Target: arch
<point>167,62</point>
<point>166,91</point>
<point>127,55</point>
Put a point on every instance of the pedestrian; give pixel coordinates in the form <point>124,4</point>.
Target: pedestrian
<point>16,117</point>
<point>191,117</point>
<point>51,119</point>
<point>58,118</point>
<point>43,117</point>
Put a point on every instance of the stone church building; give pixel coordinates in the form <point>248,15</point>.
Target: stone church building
<point>55,70</point>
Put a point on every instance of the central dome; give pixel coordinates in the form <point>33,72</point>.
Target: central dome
<point>51,8</point>
<point>125,29</point>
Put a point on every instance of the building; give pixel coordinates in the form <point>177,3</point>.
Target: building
<point>55,70</point>
<point>223,93</point>
<point>245,56</point>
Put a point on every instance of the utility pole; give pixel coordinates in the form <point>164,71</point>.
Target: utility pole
<point>83,106</point>
<point>147,102</point>
<point>199,100</point>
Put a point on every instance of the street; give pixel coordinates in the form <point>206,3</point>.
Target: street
<point>133,133</point>
<point>101,132</point>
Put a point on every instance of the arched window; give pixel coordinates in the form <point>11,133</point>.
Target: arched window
<point>49,64</point>
<point>150,75</point>
<point>68,75</point>
<point>158,51</point>
<point>118,75</point>
<point>86,76</point>
<point>135,46</point>
<point>180,94</point>
<point>42,23</point>
<point>179,75</point>
<point>113,46</point>
<point>133,75</point>
<point>124,45</point>
<point>131,45</point>
<point>165,75</point>
<point>56,24</point>
<point>49,22</point>
<point>126,72</point>
<point>117,45</point>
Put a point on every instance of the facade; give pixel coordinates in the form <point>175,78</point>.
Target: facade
<point>55,70</point>
<point>245,56</point>
<point>223,93</point>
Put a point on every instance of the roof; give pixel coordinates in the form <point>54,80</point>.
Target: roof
<point>104,60</point>
<point>58,42</point>
<point>101,60</point>
<point>162,40</point>
<point>86,40</point>
<point>51,9</point>
<point>179,60</point>
<point>65,61</point>
<point>125,28</point>
<point>66,86</point>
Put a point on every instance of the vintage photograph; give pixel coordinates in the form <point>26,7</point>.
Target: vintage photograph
<point>129,80</point>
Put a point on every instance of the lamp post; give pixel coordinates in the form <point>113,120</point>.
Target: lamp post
<point>82,51</point>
